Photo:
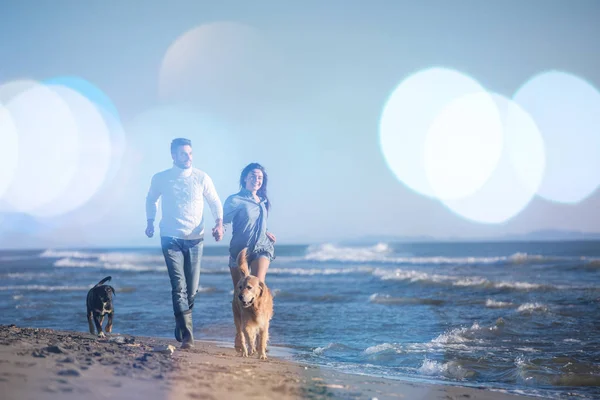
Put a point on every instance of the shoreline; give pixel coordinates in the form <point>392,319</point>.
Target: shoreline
<point>38,363</point>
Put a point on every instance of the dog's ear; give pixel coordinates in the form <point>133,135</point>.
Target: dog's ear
<point>111,289</point>
<point>262,287</point>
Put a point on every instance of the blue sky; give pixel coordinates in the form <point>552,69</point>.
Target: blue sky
<point>299,87</point>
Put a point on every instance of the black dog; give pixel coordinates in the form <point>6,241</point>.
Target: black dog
<point>99,303</point>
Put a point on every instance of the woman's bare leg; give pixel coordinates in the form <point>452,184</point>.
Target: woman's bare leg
<point>259,267</point>
<point>235,276</point>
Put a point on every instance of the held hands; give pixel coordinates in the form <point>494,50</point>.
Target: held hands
<point>217,231</point>
<point>271,237</point>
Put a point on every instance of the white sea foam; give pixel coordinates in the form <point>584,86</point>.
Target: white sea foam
<point>460,281</point>
<point>383,253</point>
<point>330,252</point>
<point>112,257</point>
<point>45,288</point>
<point>330,347</point>
<point>532,307</point>
<point>66,253</point>
<point>498,304</point>
<point>321,271</point>
<point>25,275</point>
<point>381,348</point>
<point>457,335</point>
<point>87,263</point>
<point>527,349</point>
<point>451,369</point>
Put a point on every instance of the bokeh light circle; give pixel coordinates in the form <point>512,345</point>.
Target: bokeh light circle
<point>463,146</point>
<point>107,109</point>
<point>517,176</point>
<point>48,148</point>
<point>408,115</point>
<point>219,65</point>
<point>92,92</point>
<point>566,109</point>
<point>94,154</point>
<point>10,89</point>
<point>9,146</point>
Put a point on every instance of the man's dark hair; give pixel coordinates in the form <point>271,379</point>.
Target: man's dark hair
<point>179,142</point>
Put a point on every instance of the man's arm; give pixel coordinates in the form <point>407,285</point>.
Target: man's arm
<point>152,205</point>
<point>216,207</point>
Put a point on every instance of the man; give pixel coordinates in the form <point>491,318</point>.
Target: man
<point>183,190</point>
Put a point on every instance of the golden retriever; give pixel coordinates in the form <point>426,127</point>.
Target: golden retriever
<point>252,311</point>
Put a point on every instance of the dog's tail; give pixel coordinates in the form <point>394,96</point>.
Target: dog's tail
<point>242,262</point>
<point>108,278</point>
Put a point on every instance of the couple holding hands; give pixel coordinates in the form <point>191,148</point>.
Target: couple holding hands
<point>182,191</point>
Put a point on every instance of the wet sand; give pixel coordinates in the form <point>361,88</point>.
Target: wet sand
<point>50,364</point>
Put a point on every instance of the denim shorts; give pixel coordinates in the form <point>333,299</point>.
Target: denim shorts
<point>251,257</point>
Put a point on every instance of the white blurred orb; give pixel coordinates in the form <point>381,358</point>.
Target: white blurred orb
<point>517,177</point>
<point>463,146</point>
<point>10,89</point>
<point>9,150</point>
<point>215,65</point>
<point>48,148</point>
<point>407,116</point>
<point>94,154</point>
<point>107,109</point>
<point>89,90</point>
<point>566,109</point>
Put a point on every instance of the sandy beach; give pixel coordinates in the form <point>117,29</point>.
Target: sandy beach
<point>48,364</point>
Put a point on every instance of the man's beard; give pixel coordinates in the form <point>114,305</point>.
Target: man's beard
<point>183,165</point>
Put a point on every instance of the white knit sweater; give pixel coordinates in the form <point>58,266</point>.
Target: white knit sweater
<point>182,193</point>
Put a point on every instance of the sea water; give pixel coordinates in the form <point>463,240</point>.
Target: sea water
<point>519,317</point>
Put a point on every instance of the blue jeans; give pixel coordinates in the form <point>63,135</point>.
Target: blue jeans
<point>183,263</point>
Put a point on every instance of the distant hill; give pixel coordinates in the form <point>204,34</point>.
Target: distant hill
<point>22,231</point>
<point>535,236</point>
<point>552,235</point>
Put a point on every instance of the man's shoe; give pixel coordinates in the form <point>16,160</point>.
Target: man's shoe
<point>178,334</point>
<point>186,327</point>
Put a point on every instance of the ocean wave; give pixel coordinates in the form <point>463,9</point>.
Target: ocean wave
<point>383,253</point>
<point>557,371</point>
<point>49,253</point>
<point>25,275</point>
<point>529,308</point>
<point>384,347</point>
<point>377,298</point>
<point>45,288</point>
<point>457,335</point>
<point>450,369</point>
<point>469,337</point>
<point>320,271</point>
<point>498,304</point>
<point>110,257</point>
<point>459,281</point>
<point>331,348</point>
<point>86,263</point>
<point>331,252</point>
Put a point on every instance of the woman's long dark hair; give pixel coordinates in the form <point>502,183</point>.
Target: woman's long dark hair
<point>262,192</point>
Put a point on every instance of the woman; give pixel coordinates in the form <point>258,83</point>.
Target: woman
<point>247,211</point>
